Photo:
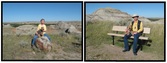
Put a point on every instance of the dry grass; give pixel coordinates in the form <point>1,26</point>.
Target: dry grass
<point>19,48</point>
<point>96,34</point>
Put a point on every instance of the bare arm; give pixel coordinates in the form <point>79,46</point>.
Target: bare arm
<point>37,29</point>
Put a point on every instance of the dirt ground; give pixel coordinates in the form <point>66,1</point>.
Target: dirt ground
<point>111,52</point>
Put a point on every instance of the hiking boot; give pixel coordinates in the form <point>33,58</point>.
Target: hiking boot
<point>135,54</point>
<point>125,50</point>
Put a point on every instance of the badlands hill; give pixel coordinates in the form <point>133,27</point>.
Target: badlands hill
<point>111,14</point>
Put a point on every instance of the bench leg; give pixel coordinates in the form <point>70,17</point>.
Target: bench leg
<point>141,48</point>
<point>141,45</point>
<point>113,39</point>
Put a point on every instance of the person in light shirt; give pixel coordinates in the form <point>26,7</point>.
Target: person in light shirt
<point>41,25</point>
<point>136,29</point>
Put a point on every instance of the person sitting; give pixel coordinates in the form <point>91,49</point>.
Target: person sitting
<point>41,28</point>
<point>134,29</point>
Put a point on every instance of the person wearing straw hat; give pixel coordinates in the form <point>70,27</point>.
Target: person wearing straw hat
<point>136,29</point>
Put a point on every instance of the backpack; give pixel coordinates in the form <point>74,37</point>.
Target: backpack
<point>138,25</point>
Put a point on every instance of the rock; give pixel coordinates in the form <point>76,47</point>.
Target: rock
<point>26,30</point>
<point>143,19</point>
<point>76,24</point>
<point>111,14</point>
<point>65,27</point>
<point>43,43</point>
<point>7,25</point>
<point>72,29</point>
<point>62,25</point>
<point>52,27</point>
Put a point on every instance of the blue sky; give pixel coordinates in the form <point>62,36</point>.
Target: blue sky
<point>36,11</point>
<point>142,9</point>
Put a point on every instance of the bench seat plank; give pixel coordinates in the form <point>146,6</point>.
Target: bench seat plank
<point>122,29</point>
<point>122,35</point>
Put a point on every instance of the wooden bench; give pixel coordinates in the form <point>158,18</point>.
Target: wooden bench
<point>122,29</point>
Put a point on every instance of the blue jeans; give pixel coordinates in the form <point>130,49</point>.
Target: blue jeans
<point>36,36</point>
<point>126,45</point>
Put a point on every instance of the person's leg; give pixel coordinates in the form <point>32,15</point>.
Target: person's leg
<point>126,45</point>
<point>47,36</point>
<point>34,39</point>
<point>136,37</point>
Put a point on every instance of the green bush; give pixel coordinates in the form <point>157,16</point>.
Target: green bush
<point>153,19</point>
<point>16,25</point>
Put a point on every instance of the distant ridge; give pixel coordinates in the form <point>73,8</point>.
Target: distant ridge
<point>111,14</point>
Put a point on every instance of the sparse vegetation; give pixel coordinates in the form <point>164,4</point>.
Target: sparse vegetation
<point>96,35</point>
<point>154,19</point>
<point>15,25</point>
<point>18,47</point>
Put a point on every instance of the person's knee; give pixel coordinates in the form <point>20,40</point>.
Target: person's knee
<point>125,36</point>
<point>136,36</point>
<point>47,36</point>
<point>44,34</point>
<point>136,39</point>
<point>35,36</point>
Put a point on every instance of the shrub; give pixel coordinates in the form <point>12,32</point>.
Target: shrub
<point>16,25</point>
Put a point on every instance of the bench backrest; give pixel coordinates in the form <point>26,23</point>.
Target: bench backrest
<point>122,28</point>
